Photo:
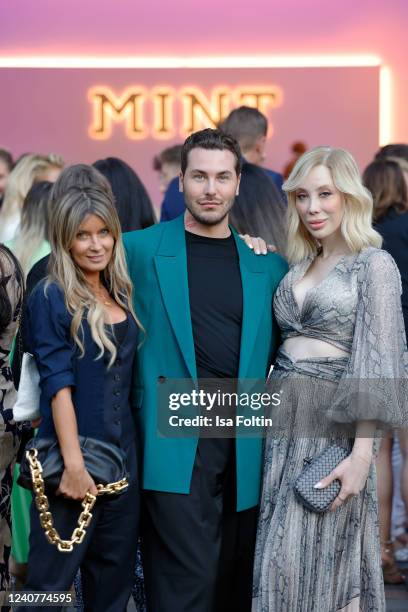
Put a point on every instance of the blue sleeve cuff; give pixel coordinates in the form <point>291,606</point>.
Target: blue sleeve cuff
<point>56,382</point>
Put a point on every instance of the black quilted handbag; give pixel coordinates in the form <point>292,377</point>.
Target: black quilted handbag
<point>317,468</point>
<point>104,461</point>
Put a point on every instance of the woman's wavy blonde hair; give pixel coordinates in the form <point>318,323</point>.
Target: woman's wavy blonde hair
<point>67,215</point>
<point>356,226</point>
<point>29,169</point>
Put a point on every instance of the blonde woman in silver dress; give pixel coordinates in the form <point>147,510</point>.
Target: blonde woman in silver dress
<point>339,310</point>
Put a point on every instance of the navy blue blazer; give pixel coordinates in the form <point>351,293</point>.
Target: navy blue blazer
<point>394,230</point>
<point>276,178</point>
<point>60,365</point>
<point>173,203</point>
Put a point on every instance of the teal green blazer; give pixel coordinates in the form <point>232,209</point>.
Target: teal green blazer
<point>158,268</point>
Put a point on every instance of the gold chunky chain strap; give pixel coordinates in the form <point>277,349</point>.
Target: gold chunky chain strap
<point>42,504</point>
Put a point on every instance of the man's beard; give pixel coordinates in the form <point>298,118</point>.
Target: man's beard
<point>211,219</point>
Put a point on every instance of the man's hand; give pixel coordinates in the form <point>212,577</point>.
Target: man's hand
<point>257,244</point>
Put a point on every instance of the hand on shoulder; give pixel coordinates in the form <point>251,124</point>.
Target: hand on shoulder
<point>258,244</point>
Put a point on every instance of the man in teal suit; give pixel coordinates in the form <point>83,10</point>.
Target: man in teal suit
<point>205,302</point>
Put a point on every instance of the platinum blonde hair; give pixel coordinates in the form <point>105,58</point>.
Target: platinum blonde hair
<point>356,225</point>
<point>66,217</point>
<point>29,170</point>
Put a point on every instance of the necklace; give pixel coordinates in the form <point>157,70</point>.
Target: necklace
<point>102,298</point>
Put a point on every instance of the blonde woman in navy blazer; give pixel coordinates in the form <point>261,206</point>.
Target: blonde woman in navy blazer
<point>84,336</point>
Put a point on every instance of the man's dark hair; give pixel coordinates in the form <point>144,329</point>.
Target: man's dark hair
<point>211,140</point>
<point>393,150</point>
<point>7,158</point>
<point>171,155</point>
<point>246,125</point>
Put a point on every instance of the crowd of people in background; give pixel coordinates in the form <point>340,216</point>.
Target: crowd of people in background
<point>33,187</point>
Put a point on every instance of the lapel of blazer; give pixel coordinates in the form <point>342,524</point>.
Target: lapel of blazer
<point>254,284</point>
<point>171,268</point>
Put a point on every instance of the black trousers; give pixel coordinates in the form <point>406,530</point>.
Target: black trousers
<point>106,557</point>
<point>197,550</point>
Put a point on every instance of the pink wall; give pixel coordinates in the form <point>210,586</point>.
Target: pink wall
<point>157,27</point>
<point>183,27</point>
<point>49,110</point>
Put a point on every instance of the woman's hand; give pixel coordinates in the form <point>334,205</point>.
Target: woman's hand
<point>258,245</point>
<point>352,473</point>
<point>75,483</point>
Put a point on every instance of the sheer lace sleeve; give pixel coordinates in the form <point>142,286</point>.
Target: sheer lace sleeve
<point>374,384</point>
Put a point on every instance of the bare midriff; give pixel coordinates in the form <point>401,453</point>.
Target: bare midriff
<point>302,347</point>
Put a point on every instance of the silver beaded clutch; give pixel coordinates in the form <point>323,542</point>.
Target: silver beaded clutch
<point>317,468</point>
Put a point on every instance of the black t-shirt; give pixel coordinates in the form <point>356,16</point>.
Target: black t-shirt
<point>215,290</point>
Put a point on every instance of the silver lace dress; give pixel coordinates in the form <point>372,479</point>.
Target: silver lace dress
<point>308,562</point>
